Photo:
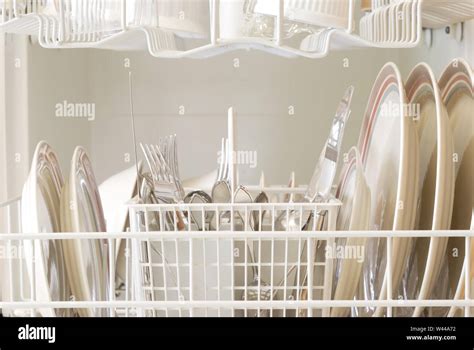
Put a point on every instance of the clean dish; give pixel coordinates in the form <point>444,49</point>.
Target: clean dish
<point>81,211</point>
<point>322,13</point>
<point>354,194</point>
<point>456,87</point>
<point>436,180</point>
<point>389,153</point>
<point>186,18</point>
<point>115,192</point>
<point>40,213</point>
<point>203,182</point>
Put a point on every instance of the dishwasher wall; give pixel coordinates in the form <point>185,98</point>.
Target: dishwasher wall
<point>284,106</point>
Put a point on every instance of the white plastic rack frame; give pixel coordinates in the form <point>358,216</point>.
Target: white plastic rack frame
<point>395,25</point>
<point>231,270</point>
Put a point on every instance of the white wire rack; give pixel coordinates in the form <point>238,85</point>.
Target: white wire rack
<point>397,24</point>
<point>175,266</point>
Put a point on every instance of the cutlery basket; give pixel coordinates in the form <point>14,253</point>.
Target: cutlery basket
<point>230,269</point>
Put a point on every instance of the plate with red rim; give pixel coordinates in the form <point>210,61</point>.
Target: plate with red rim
<point>436,175</point>
<point>354,195</point>
<point>457,92</point>
<point>388,145</point>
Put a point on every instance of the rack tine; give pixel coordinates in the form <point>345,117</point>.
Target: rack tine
<point>226,174</point>
<point>220,170</point>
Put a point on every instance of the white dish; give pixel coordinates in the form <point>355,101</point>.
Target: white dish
<point>456,87</point>
<point>323,13</point>
<point>231,18</point>
<point>203,182</point>
<point>115,192</point>
<point>436,180</point>
<point>186,18</point>
<point>81,211</point>
<point>40,213</point>
<point>389,153</point>
<point>354,194</point>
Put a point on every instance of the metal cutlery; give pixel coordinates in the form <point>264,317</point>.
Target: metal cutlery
<point>198,217</point>
<point>165,181</point>
<point>257,216</point>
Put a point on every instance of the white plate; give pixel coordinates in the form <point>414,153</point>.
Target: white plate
<point>389,153</point>
<point>354,194</point>
<point>456,87</point>
<point>40,213</point>
<point>436,180</point>
<point>81,211</point>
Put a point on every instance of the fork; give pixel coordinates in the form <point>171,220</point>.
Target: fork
<point>165,184</point>
<point>169,149</point>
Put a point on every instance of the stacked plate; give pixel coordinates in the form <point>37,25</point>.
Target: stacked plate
<point>396,24</point>
<point>68,269</point>
<point>416,164</point>
<point>456,87</point>
<point>81,211</point>
<point>240,18</point>
<point>354,193</point>
<point>439,13</point>
<point>73,22</point>
<point>40,213</point>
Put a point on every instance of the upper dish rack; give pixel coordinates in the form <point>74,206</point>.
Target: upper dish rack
<point>199,29</point>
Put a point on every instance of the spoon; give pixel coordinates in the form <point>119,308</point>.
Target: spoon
<point>220,194</point>
<point>195,215</point>
<point>257,216</point>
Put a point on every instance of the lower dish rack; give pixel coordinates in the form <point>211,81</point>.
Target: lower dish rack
<point>202,260</point>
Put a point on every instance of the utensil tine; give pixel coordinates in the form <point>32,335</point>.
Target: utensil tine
<point>166,166</point>
<point>158,166</point>
<point>172,157</point>
<point>175,151</point>
<point>149,161</point>
<point>167,151</point>
<point>161,160</point>
<point>175,168</point>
